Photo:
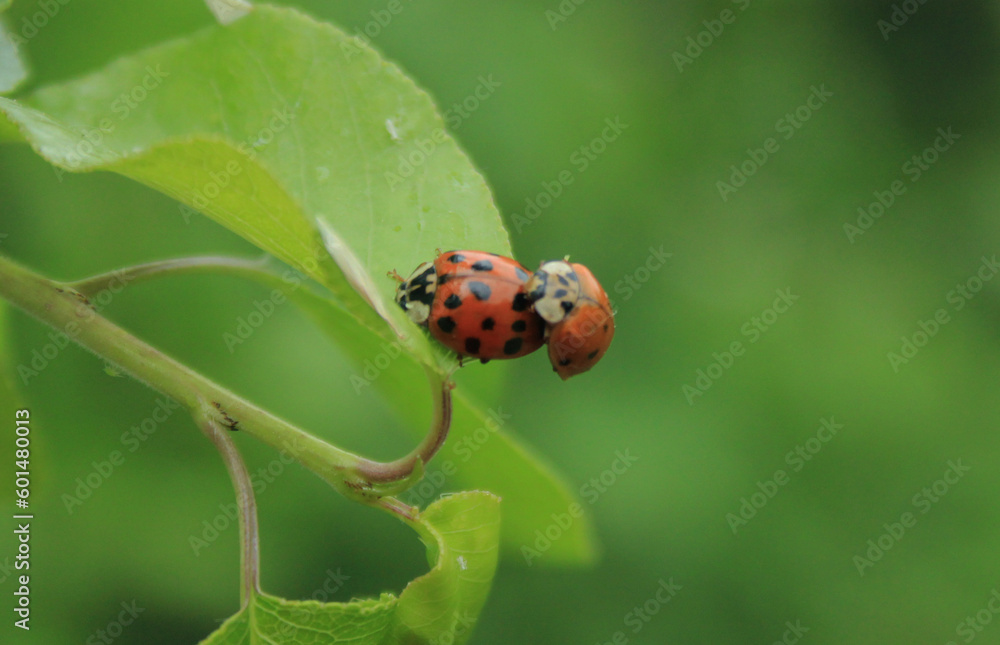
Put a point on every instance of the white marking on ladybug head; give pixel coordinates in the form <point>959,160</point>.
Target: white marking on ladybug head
<point>554,290</point>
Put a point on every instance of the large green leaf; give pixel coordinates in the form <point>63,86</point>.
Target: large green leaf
<point>461,533</point>
<point>270,125</point>
<point>291,133</point>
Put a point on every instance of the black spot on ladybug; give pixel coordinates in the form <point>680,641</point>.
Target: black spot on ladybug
<point>471,345</point>
<point>560,293</point>
<point>453,301</point>
<point>592,354</point>
<point>563,281</point>
<point>455,259</point>
<point>520,302</point>
<point>512,346</point>
<point>605,326</point>
<point>519,325</point>
<point>566,305</point>
<point>446,324</point>
<point>482,265</point>
<point>484,361</point>
<point>488,324</point>
<point>522,275</point>
<point>573,277</point>
<point>537,293</point>
<point>565,361</point>
<point>480,290</point>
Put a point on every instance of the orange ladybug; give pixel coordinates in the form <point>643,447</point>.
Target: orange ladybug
<point>475,304</point>
<point>578,313</point>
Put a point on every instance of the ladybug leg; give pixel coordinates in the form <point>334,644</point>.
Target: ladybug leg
<point>395,276</point>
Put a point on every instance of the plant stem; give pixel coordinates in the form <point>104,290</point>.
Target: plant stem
<point>67,310</point>
<point>257,268</point>
<point>394,470</point>
<point>245,503</point>
<point>140,272</point>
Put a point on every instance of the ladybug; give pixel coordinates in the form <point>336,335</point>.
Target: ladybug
<point>473,303</point>
<point>577,312</point>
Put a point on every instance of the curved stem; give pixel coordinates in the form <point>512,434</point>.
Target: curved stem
<point>395,470</point>
<point>177,266</point>
<point>69,311</point>
<point>246,505</point>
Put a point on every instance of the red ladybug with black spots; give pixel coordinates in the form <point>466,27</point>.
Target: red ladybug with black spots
<point>475,304</point>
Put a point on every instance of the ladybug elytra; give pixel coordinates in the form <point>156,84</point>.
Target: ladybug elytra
<point>474,303</point>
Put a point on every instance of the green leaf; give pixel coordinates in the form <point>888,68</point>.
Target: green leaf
<point>274,620</point>
<point>278,127</point>
<point>268,126</point>
<point>442,606</point>
<point>461,532</point>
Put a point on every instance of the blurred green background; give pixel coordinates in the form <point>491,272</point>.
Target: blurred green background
<point>669,516</point>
